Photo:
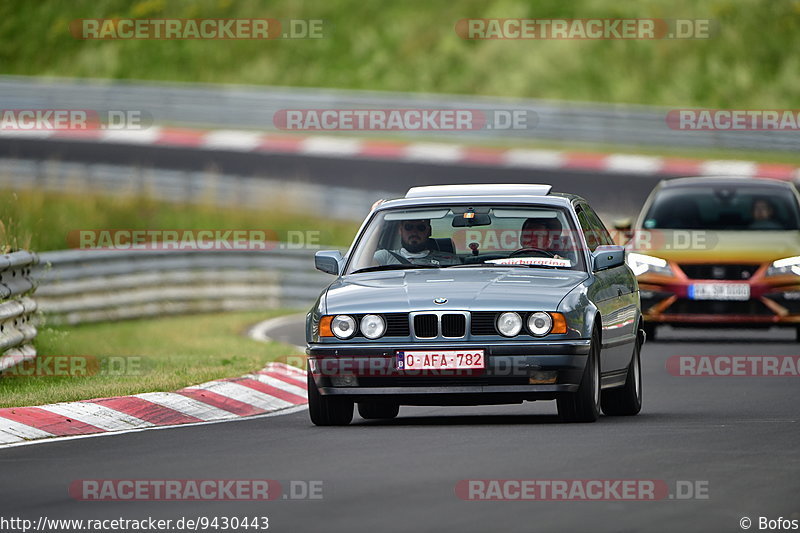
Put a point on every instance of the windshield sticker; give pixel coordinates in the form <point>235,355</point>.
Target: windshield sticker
<point>538,261</point>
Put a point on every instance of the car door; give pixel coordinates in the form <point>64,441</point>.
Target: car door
<point>616,300</point>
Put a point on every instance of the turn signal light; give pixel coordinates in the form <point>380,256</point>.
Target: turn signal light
<point>325,326</point>
<point>559,323</point>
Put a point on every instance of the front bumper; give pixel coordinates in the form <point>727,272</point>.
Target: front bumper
<point>513,372</point>
<point>771,303</point>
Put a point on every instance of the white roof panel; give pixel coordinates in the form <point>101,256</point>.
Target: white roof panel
<point>488,189</point>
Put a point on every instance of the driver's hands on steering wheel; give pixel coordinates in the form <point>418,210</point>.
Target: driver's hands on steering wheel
<point>522,251</point>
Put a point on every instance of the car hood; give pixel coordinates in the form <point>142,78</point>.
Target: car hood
<point>465,289</point>
<point>684,246</point>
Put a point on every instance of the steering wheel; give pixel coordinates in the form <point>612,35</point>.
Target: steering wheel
<point>529,250</point>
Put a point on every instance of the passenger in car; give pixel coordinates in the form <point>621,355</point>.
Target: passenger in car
<point>764,215</point>
<point>544,234</point>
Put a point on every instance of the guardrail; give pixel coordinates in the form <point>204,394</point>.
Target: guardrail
<point>254,107</point>
<point>77,286</point>
<point>17,309</point>
<point>198,187</point>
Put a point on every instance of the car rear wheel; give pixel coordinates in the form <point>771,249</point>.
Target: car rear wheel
<point>327,410</point>
<point>584,405</point>
<point>626,400</point>
<point>378,410</point>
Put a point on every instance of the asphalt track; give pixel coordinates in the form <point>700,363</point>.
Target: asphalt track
<point>617,193</point>
<point>738,436</point>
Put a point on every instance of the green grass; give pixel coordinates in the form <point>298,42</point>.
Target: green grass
<point>41,220</point>
<point>751,60</point>
<point>160,354</point>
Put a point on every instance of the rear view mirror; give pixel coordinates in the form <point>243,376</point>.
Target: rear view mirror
<point>328,261</point>
<point>608,256</point>
<point>475,220</point>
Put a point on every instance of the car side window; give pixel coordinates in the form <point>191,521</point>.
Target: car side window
<point>588,232</point>
<point>603,236</point>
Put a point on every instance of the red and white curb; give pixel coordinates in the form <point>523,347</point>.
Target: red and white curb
<point>435,153</point>
<point>276,389</point>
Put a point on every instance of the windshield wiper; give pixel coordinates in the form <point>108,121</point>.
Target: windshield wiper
<point>485,264</point>
<point>399,266</point>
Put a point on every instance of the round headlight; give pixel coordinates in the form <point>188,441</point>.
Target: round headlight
<point>540,324</point>
<point>509,324</point>
<point>343,326</point>
<point>373,326</point>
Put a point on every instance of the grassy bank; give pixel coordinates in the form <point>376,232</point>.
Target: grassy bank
<point>749,61</point>
<point>161,354</point>
<point>40,220</point>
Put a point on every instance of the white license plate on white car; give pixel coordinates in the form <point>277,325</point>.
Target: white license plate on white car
<point>441,360</point>
<point>719,291</point>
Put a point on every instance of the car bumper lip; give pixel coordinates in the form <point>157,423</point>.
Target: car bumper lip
<point>665,318</point>
<point>513,372</point>
<point>553,348</point>
<point>661,312</point>
<point>453,393</point>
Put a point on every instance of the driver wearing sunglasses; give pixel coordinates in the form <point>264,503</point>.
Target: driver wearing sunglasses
<point>416,247</point>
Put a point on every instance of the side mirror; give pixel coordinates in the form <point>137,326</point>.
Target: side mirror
<point>608,256</point>
<point>328,261</point>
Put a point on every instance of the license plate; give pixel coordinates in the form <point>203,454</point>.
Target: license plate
<point>719,291</point>
<point>441,360</point>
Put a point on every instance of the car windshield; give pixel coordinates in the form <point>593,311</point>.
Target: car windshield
<point>463,236</point>
<point>724,207</point>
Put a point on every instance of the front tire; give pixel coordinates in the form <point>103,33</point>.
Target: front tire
<point>626,400</point>
<point>327,410</point>
<point>378,410</point>
<point>584,405</point>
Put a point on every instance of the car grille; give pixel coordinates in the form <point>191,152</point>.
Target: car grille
<point>454,325</point>
<point>426,326</point>
<point>712,307</point>
<point>396,325</point>
<point>731,272</point>
<point>483,323</point>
